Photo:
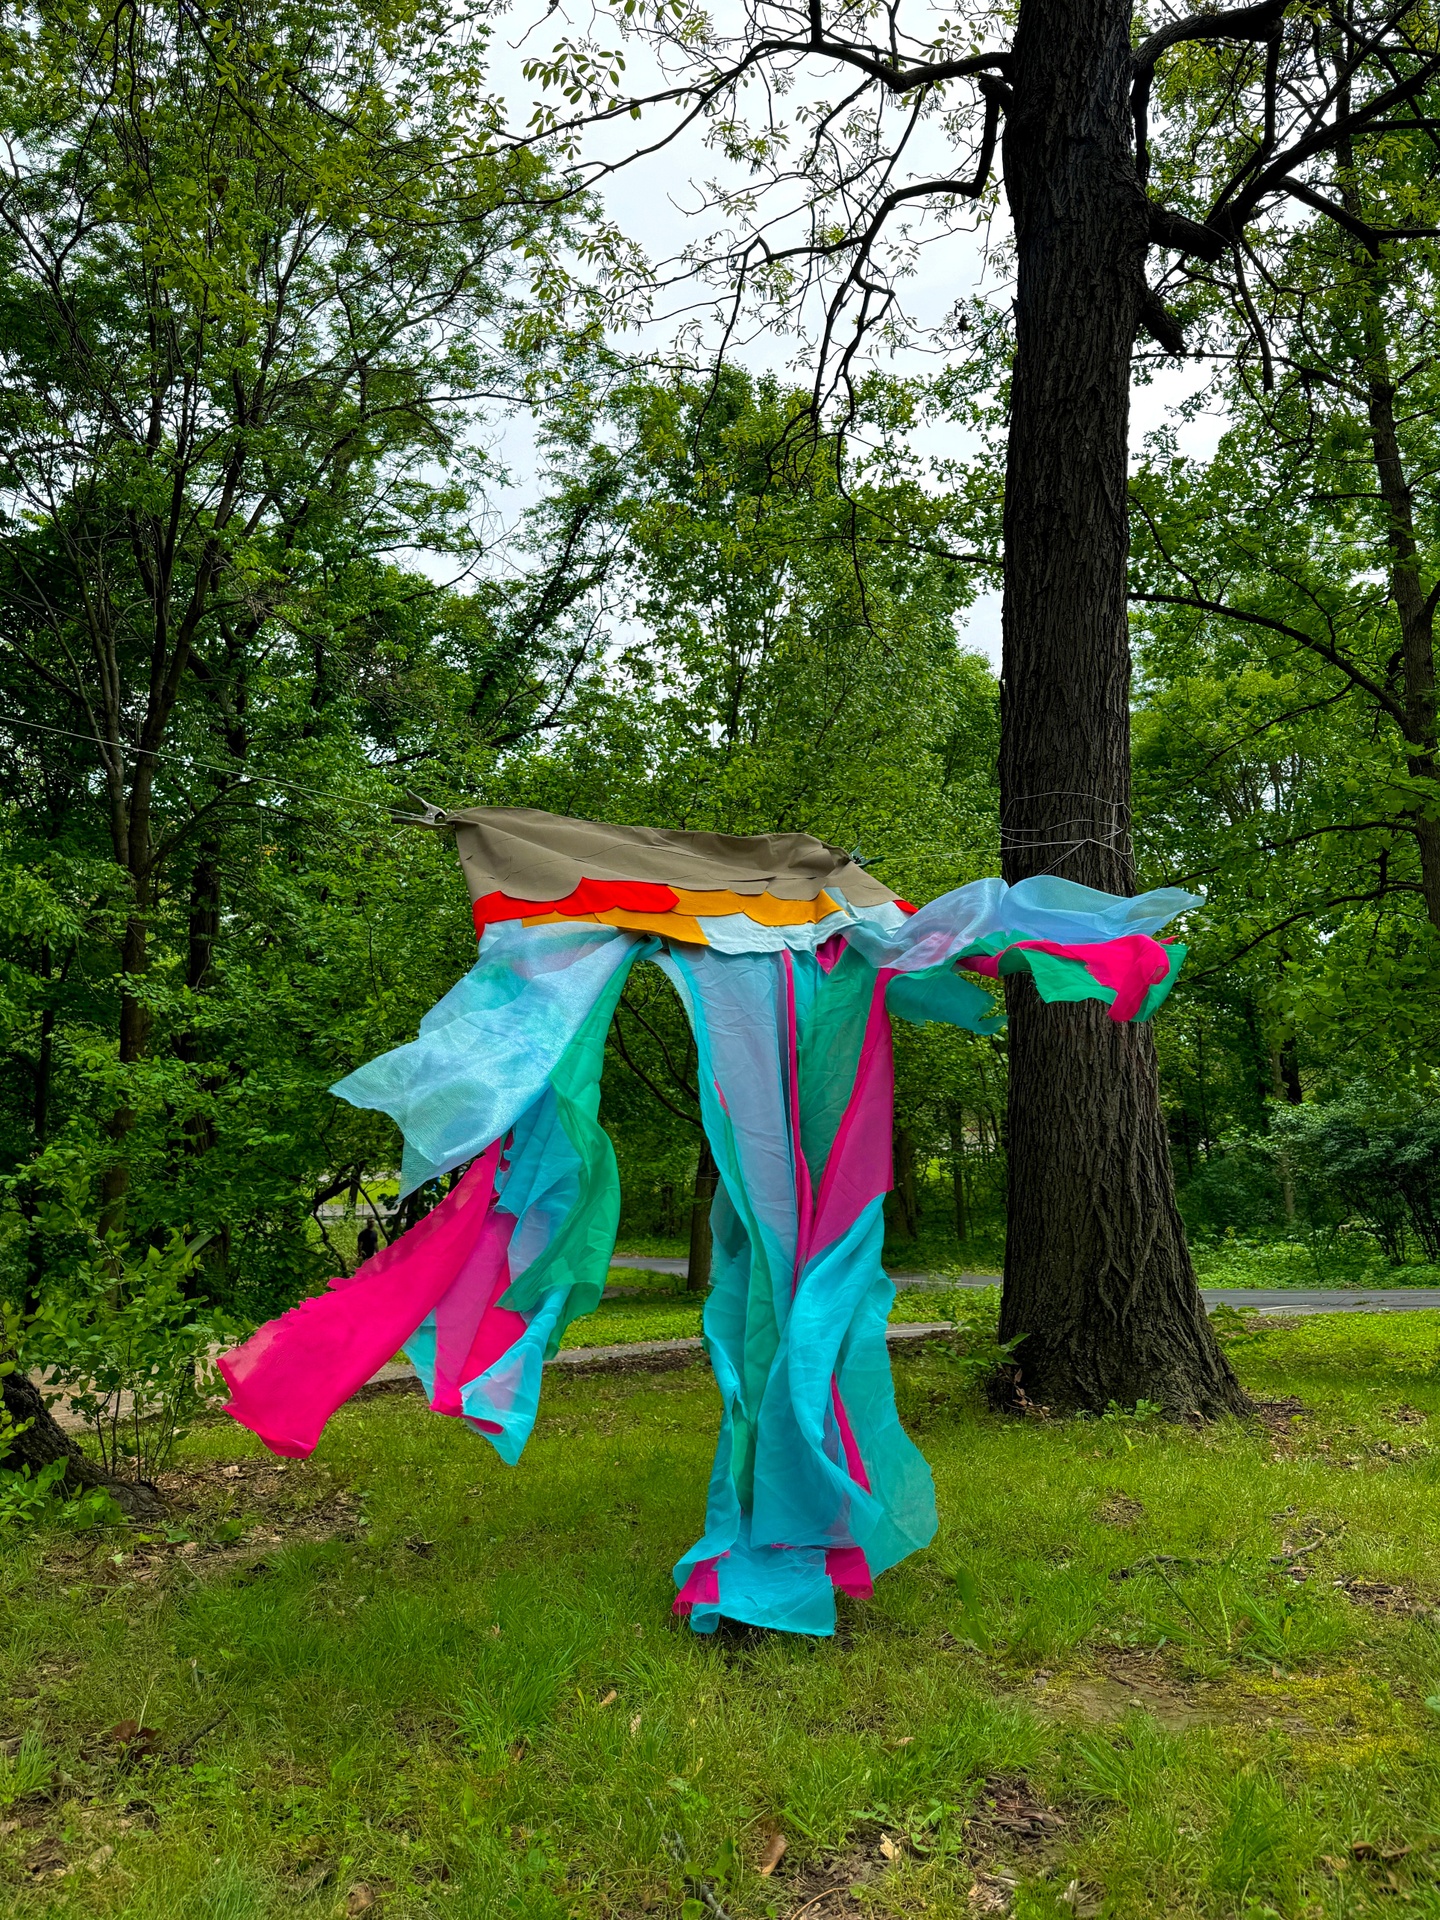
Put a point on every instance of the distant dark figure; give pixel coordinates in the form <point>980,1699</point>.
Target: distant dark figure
<point>369,1240</point>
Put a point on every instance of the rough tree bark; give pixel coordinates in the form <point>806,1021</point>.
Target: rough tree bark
<point>44,1440</point>
<point>1098,1277</point>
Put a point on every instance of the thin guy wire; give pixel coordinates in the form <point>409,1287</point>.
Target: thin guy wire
<point>242,774</point>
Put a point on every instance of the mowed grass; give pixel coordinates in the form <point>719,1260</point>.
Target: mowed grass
<point>1142,1671</point>
<point>663,1312</point>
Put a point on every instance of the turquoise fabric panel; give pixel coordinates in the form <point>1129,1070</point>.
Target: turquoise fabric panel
<point>560,1152</point>
<point>507,1394</point>
<point>902,1490</point>
<point>804,1494</point>
<point>939,994</point>
<point>487,1051</point>
<point>789,1592</point>
<point>1157,995</point>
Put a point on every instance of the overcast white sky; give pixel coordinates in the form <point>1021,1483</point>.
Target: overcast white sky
<point>657,202</point>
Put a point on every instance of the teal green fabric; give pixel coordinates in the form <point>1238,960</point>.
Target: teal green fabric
<point>577,1257</point>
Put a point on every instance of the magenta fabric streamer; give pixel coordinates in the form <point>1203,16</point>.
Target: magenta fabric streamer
<point>471,1329</point>
<point>701,1589</point>
<point>848,1571</point>
<point>1132,965</point>
<point>859,1168</point>
<point>287,1380</point>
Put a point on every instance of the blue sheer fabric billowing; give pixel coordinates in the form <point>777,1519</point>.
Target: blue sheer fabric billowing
<point>812,1459</point>
<point>486,1052</point>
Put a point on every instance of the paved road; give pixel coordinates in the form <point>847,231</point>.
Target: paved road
<point>1263,1299</point>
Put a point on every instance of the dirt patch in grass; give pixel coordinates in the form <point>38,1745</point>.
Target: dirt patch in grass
<point>1381,1597</point>
<point>834,1885</point>
<point>37,1853</point>
<point>1278,1414</point>
<point>1012,1835</point>
<point>1124,1684</point>
<point>1010,1815</point>
<point>216,1515</point>
<point>1119,1510</point>
<point>1406,1416</point>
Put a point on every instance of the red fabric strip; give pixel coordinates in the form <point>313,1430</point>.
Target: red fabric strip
<point>591,896</point>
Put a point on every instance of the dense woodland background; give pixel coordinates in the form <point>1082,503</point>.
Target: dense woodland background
<point>267,298</point>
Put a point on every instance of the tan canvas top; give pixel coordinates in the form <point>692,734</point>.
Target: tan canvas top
<point>532,855</point>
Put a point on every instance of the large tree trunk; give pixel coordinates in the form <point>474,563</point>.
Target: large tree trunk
<point>44,1440</point>
<point>1097,1274</point>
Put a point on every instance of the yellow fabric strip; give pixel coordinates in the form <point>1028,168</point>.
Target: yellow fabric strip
<point>761,907</point>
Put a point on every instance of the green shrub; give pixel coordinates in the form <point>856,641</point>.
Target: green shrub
<point>121,1333</point>
<point>1376,1150</point>
<point>974,1347</point>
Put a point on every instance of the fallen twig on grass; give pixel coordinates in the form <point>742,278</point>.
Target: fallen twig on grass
<point>200,1733</point>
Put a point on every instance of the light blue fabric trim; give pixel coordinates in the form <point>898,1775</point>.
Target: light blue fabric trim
<point>507,1394</point>
<point>419,1350</point>
<point>1042,908</point>
<point>733,933</point>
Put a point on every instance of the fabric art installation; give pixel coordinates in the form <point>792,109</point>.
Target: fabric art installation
<point>789,959</point>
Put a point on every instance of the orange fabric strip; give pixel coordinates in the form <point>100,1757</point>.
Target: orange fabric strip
<point>763,908</point>
<point>673,926</point>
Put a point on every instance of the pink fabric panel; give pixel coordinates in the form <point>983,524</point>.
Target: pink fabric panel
<point>849,1571</point>
<point>853,1462</point>
<point>702,1589</point>
<point>829,951</point>
<point>1132,965</point>
<point>497,1332</point>
<point>859,1169</point>
<point>470,1330</point>
<point>287,1379</point>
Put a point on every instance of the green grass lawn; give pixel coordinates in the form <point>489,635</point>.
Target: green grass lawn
<point>662,1313</point>
<point>1143,1671</point>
